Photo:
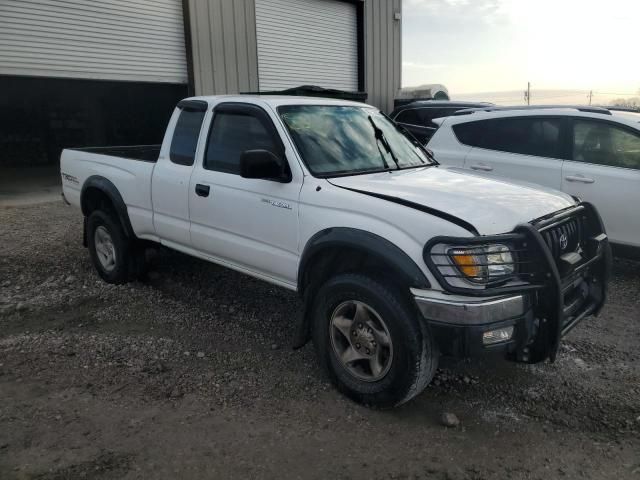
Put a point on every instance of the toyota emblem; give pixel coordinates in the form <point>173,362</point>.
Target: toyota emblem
<point>564,241</point>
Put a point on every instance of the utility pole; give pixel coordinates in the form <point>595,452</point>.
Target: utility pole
<point>527,94</point>
<point>590,96</point>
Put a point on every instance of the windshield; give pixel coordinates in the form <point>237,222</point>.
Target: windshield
<point>342,140</point>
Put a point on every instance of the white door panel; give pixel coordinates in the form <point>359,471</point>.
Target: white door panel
<point>614,191</point>
<point>170,195</point>
<point>249,222</point>
<point>540,170</point>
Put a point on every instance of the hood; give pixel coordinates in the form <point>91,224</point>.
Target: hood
<point>490,205</point>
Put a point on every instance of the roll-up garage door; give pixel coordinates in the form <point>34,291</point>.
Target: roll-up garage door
<point>106,39</point>
<point>307,42</point>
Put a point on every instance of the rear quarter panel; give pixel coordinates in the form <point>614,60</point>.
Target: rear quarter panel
<point>446,147</point>
<point>132,178</point>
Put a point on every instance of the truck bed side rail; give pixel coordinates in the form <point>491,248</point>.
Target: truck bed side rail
<point>145,153</point>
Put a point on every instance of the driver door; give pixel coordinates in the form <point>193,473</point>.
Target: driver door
<point>250,224</point>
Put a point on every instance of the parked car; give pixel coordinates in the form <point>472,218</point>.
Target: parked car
<point>588,152</point>
<point>397,260</point>
<point>417,117</point>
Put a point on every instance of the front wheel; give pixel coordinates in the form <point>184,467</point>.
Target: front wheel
<point>371,342</point>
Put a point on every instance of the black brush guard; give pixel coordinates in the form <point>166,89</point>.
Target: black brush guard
<point>576,284</point>
<point>565,287</point>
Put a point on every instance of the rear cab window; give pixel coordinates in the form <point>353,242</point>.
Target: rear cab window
<point>186,133</point>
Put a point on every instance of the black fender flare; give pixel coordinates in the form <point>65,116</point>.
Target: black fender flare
<point>352,238</point>
<point>110,190</point>
<point>367,242</point>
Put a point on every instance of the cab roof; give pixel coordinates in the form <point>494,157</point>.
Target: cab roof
<point>278,100</point>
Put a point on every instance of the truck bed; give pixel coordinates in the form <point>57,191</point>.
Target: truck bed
<point>128,168</point>
<point>145,153</point>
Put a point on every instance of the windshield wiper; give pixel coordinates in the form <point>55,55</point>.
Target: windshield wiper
<point>402,129</point>
<point>417,143</point>
<point>379,134</point>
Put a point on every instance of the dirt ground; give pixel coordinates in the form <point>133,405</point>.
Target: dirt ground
<point>190,375</point>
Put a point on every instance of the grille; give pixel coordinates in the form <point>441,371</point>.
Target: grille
<point>564,238</point>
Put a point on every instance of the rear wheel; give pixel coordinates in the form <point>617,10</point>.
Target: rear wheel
<point>371,342</point>
<point>110,250</point>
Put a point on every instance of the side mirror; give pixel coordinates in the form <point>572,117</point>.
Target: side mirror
<point>265,165</point>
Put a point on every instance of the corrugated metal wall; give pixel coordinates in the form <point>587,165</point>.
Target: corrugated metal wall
<point>225,58</point>
<point>107,39</point>
<point>223,42</point>
<point>383,52</point>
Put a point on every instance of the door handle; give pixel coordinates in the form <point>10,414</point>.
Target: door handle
<point>202,190</point>
<point>484,168</point>
<point>579,178</point>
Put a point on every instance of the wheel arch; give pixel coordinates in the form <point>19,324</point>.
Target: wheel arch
<point>99,192</point>
<point>343,241</point>
<point>342,249</point>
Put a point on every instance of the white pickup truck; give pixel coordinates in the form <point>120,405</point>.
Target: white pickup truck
<point>397,259</point>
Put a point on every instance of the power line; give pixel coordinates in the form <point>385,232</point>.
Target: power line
<point>609,93</point>
<point>546,97</point>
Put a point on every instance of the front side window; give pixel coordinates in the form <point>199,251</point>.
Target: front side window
<point>185,137</point>
<point>232,133</point>
<point>344,140</point>
<point>539,137</point>
<point>601,143</point>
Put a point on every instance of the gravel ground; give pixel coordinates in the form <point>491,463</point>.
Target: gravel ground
<point>190,375</point>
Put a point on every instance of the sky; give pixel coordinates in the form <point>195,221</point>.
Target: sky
<point>474,46</point>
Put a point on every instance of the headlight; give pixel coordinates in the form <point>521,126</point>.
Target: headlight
<point>482,264</point>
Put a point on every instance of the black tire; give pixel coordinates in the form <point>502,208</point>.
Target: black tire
<point>415,357</point>
<point>125,256</point>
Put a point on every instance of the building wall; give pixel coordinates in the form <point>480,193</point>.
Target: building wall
<point>224,49</point>
<point>383,52</point>
<point>223,45</point>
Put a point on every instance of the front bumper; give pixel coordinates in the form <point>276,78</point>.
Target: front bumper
<point>462,326</point>
<point>532,321</point>
<point>440,307</point>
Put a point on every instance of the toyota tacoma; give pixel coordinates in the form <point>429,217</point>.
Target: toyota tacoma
<point>398,260</point>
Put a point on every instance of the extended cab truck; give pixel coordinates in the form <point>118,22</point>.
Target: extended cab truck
<point>398,260</point>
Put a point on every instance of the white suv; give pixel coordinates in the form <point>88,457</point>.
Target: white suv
<point>590,152</point>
